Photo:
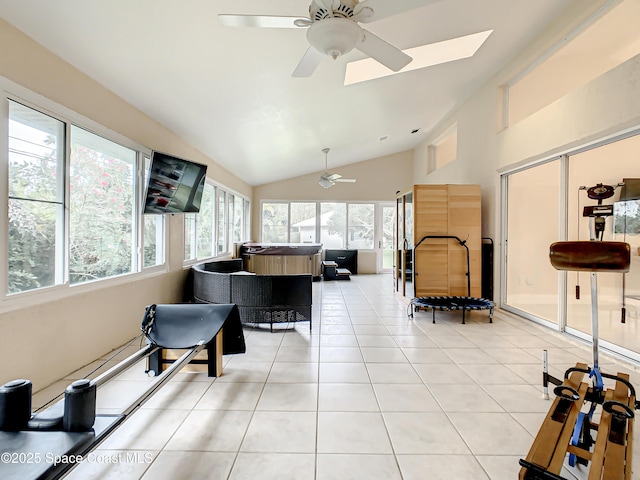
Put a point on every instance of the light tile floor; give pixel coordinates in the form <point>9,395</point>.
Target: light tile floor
<point>368,394</point>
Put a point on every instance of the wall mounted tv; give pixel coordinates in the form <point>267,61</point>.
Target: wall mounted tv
<point>174,185</point>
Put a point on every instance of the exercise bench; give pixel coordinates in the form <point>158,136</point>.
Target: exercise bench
<point>570,435</point>
<point>46,445</point>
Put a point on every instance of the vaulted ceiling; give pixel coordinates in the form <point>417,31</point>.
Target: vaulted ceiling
<point>229,91</point>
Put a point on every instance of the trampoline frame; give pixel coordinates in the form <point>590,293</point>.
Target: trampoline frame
<point>448,303</point>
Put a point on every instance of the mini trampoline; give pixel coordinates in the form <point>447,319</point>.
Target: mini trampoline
<point>448,303</point>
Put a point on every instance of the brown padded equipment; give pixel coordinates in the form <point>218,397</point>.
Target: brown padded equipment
<point>590,256</point>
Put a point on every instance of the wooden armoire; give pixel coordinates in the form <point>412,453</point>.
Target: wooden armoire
<point>438,266</point>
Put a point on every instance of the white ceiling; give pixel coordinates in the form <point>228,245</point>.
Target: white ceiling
<point>229,91</point>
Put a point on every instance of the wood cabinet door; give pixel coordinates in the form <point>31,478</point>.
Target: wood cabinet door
<point>465,222</point>
<point>440,264</point>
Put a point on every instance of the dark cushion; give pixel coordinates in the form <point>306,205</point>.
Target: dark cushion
<point>184,325</point>
<point>221,266</point>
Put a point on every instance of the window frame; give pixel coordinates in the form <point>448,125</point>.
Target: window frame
<point>136,258</point>
<point>17,93</point>
<point>374,226</point>
<point>443,150</point>
<point>275,202</point>
<point>303,202</point>
<point>318,228</point>
<point>59,250</point>
<point>161,230</point>
<point>220,191</point>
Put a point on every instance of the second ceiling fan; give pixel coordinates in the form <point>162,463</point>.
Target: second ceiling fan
<point>334,30</point>
<point>330,179</point>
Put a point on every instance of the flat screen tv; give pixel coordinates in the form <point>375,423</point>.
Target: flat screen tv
<point>174,185</point>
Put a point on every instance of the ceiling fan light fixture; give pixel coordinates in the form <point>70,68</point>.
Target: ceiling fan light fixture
<point>334,36</point>
<point>325,183</point>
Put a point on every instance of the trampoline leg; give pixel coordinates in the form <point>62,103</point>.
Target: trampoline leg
<point>491,315</point>
<point>434,314</point>
<point>463,312</point>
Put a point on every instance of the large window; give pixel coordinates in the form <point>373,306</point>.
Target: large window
<point>190,236</point>
<point>334,224</point>
<point>36,199</point>
<point>206,221</point>
<point>73,213</point>
<point>153,234</point>
<point>303,222</point>
<point>238,223</point>
<point>275,222</point>
<point>361,226</point>
<point>102,200</point>
<point>220,222</point>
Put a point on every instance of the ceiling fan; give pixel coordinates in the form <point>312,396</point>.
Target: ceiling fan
<point>330,179</point>
<point>334,30</point>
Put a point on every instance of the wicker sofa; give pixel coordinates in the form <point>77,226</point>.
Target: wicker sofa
<point>260,298</point>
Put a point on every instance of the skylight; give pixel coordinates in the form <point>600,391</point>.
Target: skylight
<point>423,56</point>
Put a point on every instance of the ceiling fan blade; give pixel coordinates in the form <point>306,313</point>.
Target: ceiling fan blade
<point>385,8</point>
<point>261,21</point>
<point>308,63</point>
<point>334,176</point>
<point>345,180</point>
<point>383,52</point>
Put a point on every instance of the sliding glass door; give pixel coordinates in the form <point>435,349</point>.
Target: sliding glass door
<point>609,165</point>
<point>546,203</point>
<point>533,198</point>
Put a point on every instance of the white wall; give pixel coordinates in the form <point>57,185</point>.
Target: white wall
<point>42,337</point>
<point>607,105</point>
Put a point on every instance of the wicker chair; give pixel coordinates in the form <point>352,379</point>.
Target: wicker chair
<point>212,282</point>
<point>260,298</point>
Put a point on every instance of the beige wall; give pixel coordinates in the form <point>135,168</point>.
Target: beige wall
<point>43,337</point>
<point>378,180</point>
